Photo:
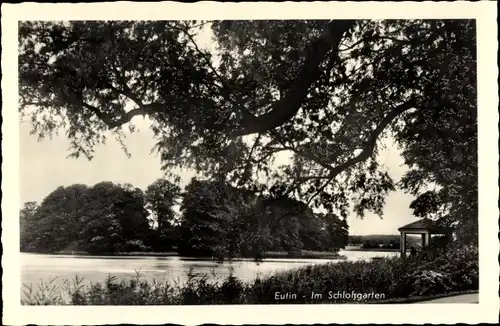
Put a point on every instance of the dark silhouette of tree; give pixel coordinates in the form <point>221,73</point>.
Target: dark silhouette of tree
<point>161,196</point>
<point>222,221</point>
<point>206,221</point>
<point>54,224</point>
<point>104,218</point>
<point>114,219</point>
<point>27,225</point>
<point>325,91</point>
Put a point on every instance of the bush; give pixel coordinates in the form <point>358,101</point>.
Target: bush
<point>442,270</point>
<point>421,283</point>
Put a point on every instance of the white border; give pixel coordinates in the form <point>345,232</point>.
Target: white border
<point>486,311</point>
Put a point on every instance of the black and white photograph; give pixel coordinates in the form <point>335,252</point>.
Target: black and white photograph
<point>248,162</point>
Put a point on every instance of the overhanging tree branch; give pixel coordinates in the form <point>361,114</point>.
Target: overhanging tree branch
<point>203,54</point>
<point>114,122</point>
<point>319,190</point>
<point>366,152</point>
<point>305,154</point>
<point>285,108</point>
<point>368,147</point>
<point>249,159</point>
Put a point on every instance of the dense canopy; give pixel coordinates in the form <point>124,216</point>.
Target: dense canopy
<point>215,220</point>
<point>325,91</point>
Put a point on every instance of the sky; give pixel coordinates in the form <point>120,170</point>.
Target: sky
<point>44,166</point>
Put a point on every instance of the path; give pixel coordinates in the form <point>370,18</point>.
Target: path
<point>463,298</point>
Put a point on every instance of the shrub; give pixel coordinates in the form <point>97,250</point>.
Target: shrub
<point>421,283</point>
<point>442,270</point>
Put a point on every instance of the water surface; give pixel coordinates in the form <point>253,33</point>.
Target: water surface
<point>36,267</point>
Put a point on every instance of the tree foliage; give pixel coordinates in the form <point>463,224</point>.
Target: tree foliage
<point>53,224</point>
<point>104,218</point>
<point>325,91</point>
<point>161,196</point>
<point>222,221</point>
<point>113,216</point>
<point>26,225</point>
<point>217,220</point>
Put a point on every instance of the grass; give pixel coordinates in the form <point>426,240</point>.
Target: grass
<point>395,278</point>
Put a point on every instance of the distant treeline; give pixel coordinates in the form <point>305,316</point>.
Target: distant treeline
<point>215,220</point>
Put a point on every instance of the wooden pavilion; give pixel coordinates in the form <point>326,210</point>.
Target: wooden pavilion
<point>426,228</point>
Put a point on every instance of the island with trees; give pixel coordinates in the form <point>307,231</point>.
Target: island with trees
<point>215,221</point>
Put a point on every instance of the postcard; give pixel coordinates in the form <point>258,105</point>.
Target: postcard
<point>241,163</point>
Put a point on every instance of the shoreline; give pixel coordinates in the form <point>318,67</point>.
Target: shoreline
<point>267,255</point>
<point>373,249</point>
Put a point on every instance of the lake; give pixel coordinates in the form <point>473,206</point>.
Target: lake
<point>36,267</point>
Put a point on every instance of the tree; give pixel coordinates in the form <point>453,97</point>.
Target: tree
<point>55,223</point>
<point>337,232</point>
<point>100,219</point>
<point>27,226</point>
<point>161,196</point>
<point>223,221</point>
<point>285,216</point>
<point>325,91</point>
<point>130,209</point>
<point>114,219</point>
<point>205,222</point>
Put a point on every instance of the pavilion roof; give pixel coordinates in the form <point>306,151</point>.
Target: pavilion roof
<point>424,224</point>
